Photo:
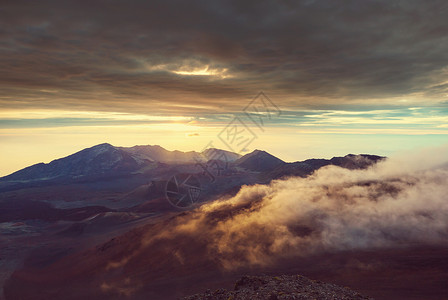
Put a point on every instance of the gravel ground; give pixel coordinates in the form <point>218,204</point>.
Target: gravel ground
<point>281,287</point>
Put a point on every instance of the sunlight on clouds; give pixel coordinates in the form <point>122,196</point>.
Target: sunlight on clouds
<point>119,116</point>
<point>348,112</point>
<point>381,120</point>
<point>297,134</point>
<point>191,69</point>
<point>205,71</point>
<point>414,116</point>
<point>375,131</point>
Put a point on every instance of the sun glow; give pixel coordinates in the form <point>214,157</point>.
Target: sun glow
<point>191,70</point>
<point>52,113</point>
<point>205,71</point>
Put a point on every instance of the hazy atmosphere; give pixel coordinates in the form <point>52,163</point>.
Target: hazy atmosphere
<point>348,76</point>
<point>247,150</point>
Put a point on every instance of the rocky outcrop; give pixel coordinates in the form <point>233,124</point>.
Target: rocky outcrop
<point>281,287</point>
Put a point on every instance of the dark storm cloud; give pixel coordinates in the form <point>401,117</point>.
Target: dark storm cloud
<point>85,54</point>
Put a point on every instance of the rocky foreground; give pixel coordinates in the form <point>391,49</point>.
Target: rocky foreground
<point>281,287</point>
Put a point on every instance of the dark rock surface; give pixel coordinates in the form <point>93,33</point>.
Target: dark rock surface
<point>280,287</point>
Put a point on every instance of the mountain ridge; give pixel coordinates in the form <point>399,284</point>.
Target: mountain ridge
<point>105,160</point>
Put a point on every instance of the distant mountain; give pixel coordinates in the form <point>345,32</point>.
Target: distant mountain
<point>307,167</point>
<point>259,161</point>
<point>105,160</point>
<point>98,160</point>
<point>218,154</point>
<point>134,179</point>
<point>160,154</point>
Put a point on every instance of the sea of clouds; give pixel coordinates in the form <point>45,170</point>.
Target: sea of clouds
<point>399,202</point>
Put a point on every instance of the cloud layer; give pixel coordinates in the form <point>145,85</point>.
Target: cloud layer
<point>203,56</point>
<point>401,202</point>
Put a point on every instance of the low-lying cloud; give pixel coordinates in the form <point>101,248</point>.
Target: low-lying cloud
<point>400,202</point>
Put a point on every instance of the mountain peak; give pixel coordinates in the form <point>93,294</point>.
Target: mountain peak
<point>106,145</point>
<point>101,148</point>
<point>97,160</point>
<point>259,160</point>
<point>257,151</point>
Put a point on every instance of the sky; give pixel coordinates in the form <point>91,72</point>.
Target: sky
<point>336,77</point>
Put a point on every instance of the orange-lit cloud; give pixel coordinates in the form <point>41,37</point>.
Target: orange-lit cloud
<point>399,202</point>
